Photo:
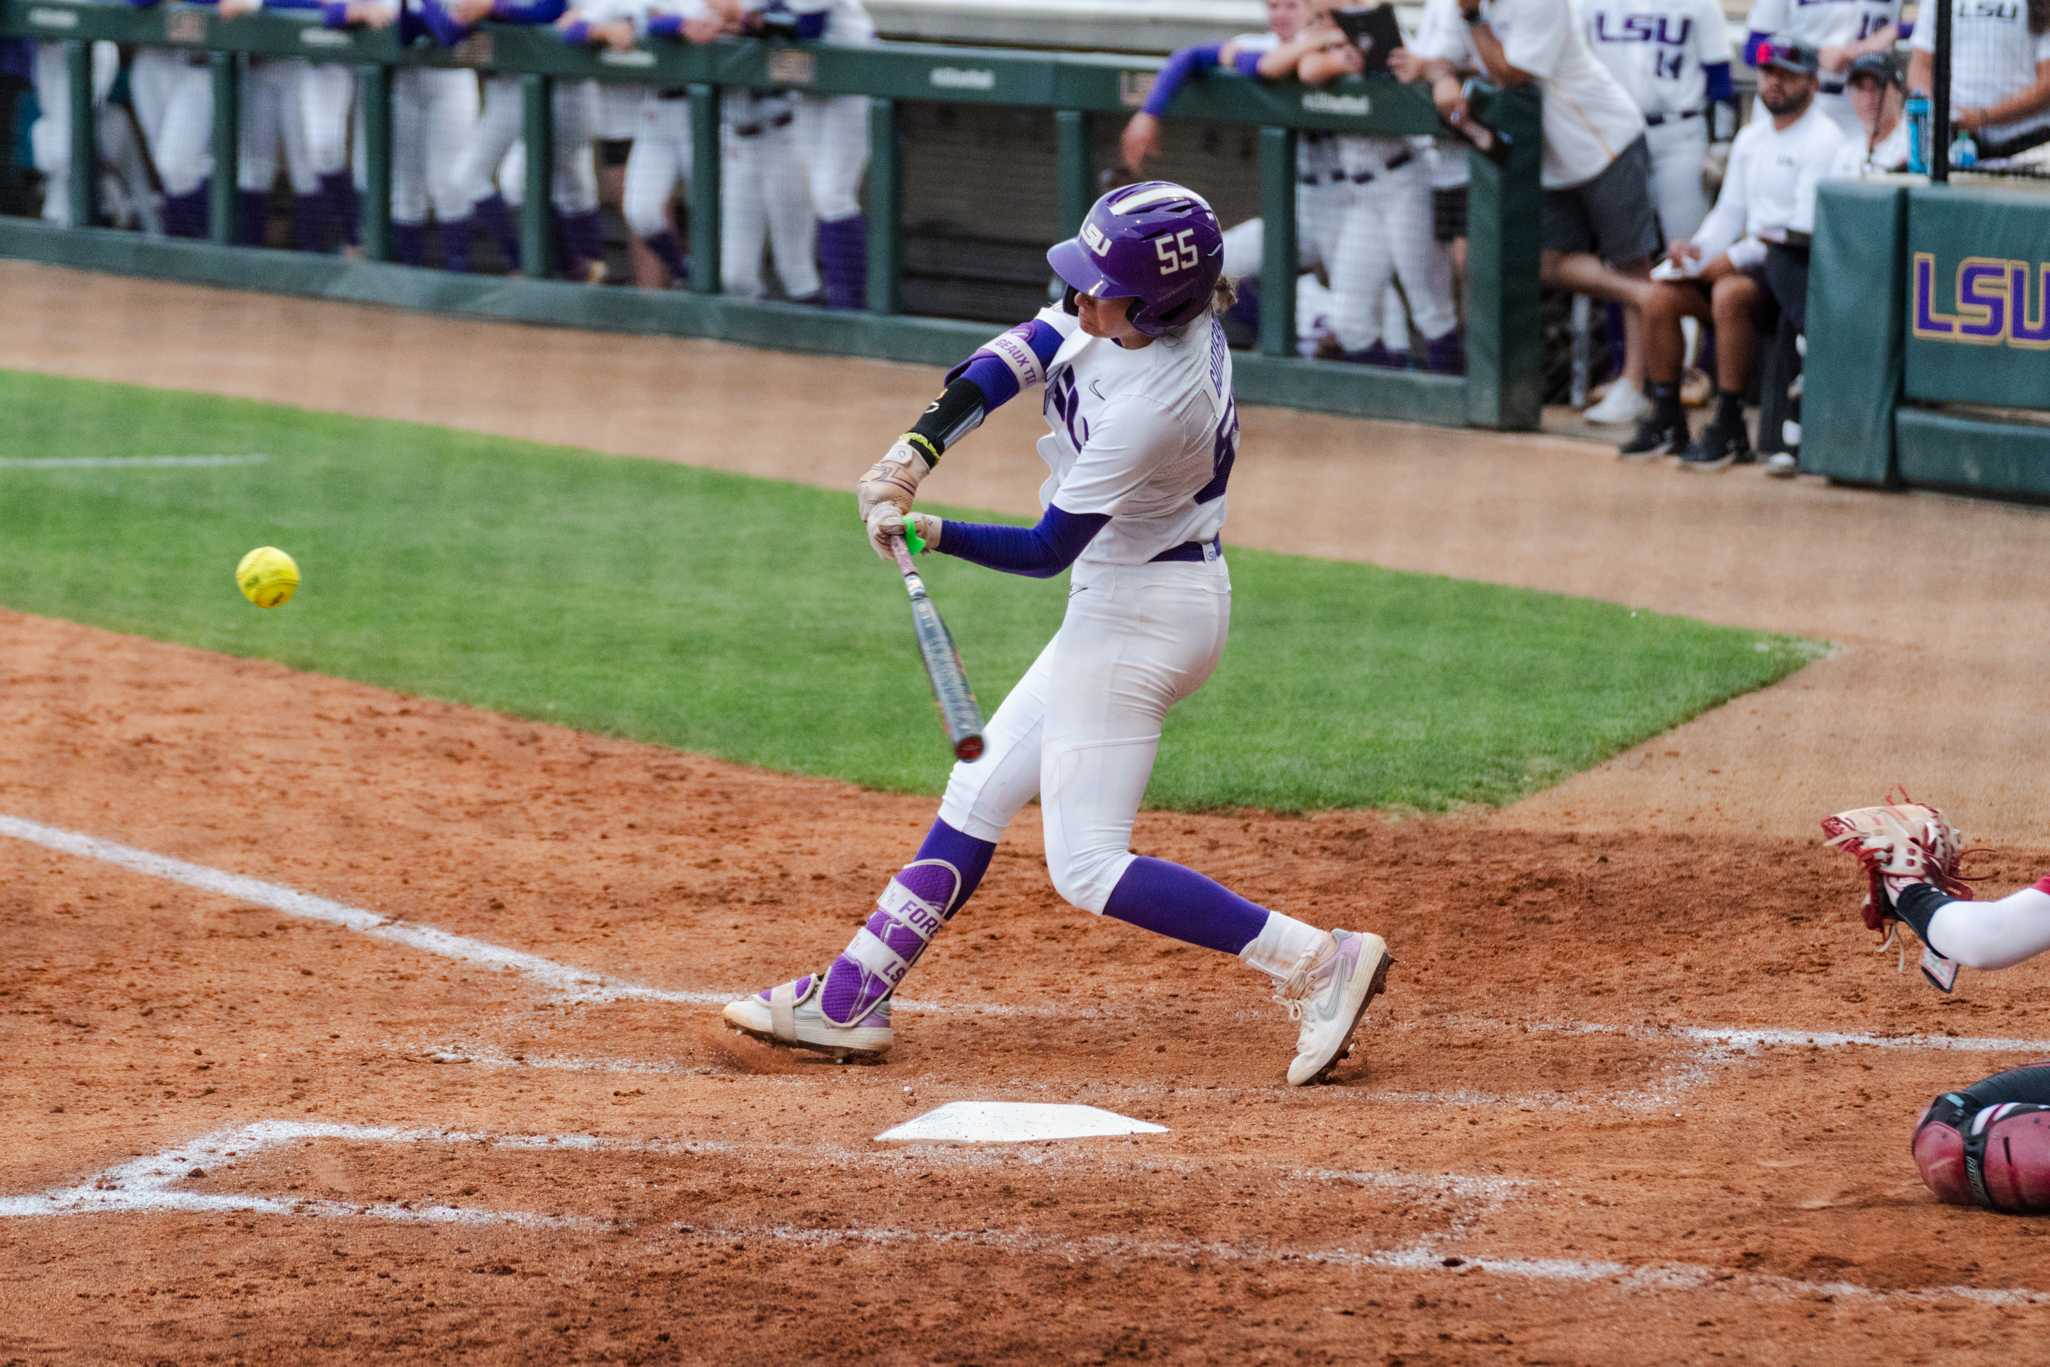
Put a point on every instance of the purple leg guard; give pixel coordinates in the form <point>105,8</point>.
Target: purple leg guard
<point>496,217</point>
<point>255,210</point>
<point>1178,902</point>
<point>843,261</point>
<point>1446,355</point>
<point>664,245</point>
<point>455,244</point>
<point>409,243</point>
<point>922,897</point>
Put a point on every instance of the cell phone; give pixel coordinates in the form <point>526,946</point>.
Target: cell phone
<point>1373,30</point>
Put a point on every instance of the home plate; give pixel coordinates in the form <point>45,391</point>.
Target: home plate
<point>1015,1122</point>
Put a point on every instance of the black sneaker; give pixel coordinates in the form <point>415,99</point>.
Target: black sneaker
<point>1655,437</point>
<point>1720,446</point>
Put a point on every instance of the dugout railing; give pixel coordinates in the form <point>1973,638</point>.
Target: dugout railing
<point>1501,387</point>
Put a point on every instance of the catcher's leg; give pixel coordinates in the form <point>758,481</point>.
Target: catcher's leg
<point>1980,934</point>
<point>1989,1145</point>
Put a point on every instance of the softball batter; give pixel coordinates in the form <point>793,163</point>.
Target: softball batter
<point>1143,432</point>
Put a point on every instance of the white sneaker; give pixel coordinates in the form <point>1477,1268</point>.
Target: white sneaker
<point>1622,406</point>
<point>1782,465</point>
<point>788,1013</point>
<point>1329,992</point>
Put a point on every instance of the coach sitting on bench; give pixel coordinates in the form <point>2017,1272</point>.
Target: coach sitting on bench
<point>1767,201</point>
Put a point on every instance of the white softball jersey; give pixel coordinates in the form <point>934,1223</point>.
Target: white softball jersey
<point>1657,49</point>
<point>1860,157</point>
<point>1589,118</point>
<point>1769,188</point>
<point>1144,436</point>
<point>1993,56</point>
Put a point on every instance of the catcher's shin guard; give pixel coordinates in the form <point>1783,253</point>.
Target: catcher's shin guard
<point>916,903</point>
<point>1997,1157</point>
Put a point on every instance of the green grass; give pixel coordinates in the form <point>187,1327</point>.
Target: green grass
<point>746,618</point>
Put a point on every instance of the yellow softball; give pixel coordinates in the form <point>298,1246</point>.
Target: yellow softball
<point>267,577</point>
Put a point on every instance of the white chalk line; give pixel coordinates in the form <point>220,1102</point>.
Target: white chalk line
<point>1715,1047</point>
<point>569,983</point>
<point>148,1185</point>
<point>127,462</point>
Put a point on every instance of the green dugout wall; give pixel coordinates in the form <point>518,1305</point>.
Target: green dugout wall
<point>1502,388</point>
<point>1929,338</point>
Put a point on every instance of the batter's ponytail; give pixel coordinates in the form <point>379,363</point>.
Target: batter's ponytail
<point>1224,296</point>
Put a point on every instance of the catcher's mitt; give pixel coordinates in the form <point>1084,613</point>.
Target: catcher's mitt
<point>1899,844</point>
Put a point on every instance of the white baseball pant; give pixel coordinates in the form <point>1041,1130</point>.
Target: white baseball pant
<point>1081,730</point>
<point>658,165</point>
<point>495,150</point>
<point>272,112</point>
<point>50,142</point>
<point>763,199</point>
<point>433,118</point>
<point>174,98</point>
<point>1386,235</point>
<point>326,90</point>
<point>833,132</point>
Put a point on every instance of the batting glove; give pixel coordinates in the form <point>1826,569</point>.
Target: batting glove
<point>886,524</point>
<point>893,481</point>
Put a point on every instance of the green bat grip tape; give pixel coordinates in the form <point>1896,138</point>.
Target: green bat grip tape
<point>913,542</point>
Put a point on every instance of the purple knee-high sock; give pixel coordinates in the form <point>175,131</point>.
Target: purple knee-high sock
<point>664,245</point>
<point>185,215</point>
<point>455,244</point>
<point>496,215</point>
<point>1168,899</point>
<point>409,243</point>
<point>307,211</point>
<point>583,240</point>
<point>255,207</point>
<point>342,209</point>
<point>843,261</point>
<point>922,897</point>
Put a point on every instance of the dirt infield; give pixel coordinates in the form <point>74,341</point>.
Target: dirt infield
<point>336,1021</point>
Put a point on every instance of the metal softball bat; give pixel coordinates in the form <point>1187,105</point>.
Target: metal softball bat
<point>960,714</point>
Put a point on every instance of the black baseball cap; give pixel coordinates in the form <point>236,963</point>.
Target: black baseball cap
<point>1881,66</point>
<point>1788,55</point>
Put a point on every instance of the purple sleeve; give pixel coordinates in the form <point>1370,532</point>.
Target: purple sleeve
<point>665,26</point>
<point>810,26</point>
<point>577,34</point>
<point>1751,45</point>
<point>442,24</point>
<point>528,11</point>
<point>1008,363</point>
<point>294,4</point>
<point>1719,87</point>
<point>1189,61</point>
<point>1247,63</point>
<point>1039,552</point>
<point>335,14</point>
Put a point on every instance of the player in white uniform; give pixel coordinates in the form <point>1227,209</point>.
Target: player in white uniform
<point>1673,56</point>
<point>50,139</point>
<point>1840,31</point>
<point>272,114</point>
<point>1143,435</point>
<point>174,99</point>
<point>434,114</point>
<point>1384,234</point>
<point>573,179</point>
<point>832,131</point>
<point>1999,75</point>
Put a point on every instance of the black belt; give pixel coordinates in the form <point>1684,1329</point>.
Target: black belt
<point>1654,120</point>
<point>748,130</point>
<point>1825,88</point>
<point>675,92</point>
<point>1394,163</point>
<point>1191,550</point>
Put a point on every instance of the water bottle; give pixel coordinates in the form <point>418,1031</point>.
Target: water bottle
<point>1964,152</point>
<point>1917,112</point>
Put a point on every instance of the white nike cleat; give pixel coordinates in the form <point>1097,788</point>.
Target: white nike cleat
<point>1329,992</point>
<point>789,1013</point>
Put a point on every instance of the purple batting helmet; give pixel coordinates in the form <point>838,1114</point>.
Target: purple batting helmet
<point>1156,243</point>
